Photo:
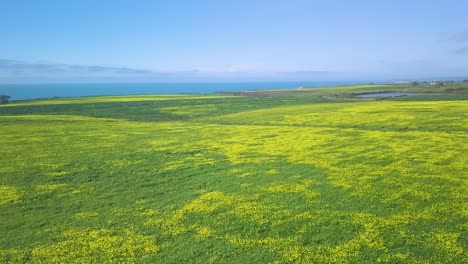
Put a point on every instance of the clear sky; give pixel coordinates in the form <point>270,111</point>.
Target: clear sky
<point>152,40</point>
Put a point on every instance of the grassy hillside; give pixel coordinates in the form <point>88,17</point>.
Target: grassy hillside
<point>306,176</point>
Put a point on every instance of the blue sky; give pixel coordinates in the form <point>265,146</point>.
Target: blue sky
<point>151,40</point>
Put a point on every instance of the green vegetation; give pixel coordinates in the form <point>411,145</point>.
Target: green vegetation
<point>304,176</point>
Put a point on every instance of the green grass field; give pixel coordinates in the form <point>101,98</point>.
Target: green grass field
<point>305,176</point>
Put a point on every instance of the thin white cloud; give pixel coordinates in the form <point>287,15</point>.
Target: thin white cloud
<point>20,71</point>
<point>460,51</point>
<point>243,68</point>
<point>21,68</point>
<point>461,36</point>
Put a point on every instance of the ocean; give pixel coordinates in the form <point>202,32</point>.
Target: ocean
<point>34,91</point>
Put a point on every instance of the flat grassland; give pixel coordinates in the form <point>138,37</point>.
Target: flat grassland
<point>303,176</point>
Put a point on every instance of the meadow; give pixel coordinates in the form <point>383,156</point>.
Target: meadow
<point>303,176</point>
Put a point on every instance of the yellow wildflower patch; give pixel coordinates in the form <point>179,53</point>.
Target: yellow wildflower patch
<point>91,246</point>
<point>9,194</point>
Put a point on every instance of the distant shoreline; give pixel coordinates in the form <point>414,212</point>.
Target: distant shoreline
<point>21,92</point>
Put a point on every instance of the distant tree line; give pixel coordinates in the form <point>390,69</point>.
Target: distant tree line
<point>4,99</point>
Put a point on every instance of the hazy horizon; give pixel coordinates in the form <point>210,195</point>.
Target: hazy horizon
<point>241,41</point>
